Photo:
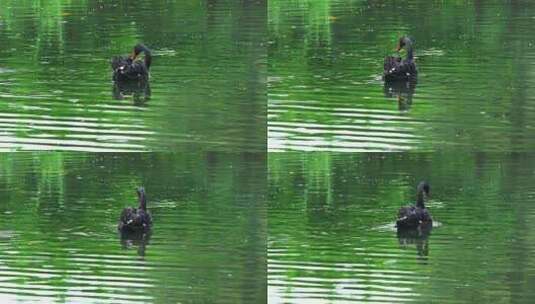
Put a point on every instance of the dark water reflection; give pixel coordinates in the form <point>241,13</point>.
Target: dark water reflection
<point>332,237</point>
<point>59,240</point>
<point>207,78</point>
<point>138,240</point>
<point>402,91</point>
<point>138,91</point>
<point>415,238</point>
<point>475,63</point>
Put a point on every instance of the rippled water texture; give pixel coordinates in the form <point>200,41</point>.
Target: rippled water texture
<point>332,237</point>
<point>475,61</point>
<point>59,243</point>
<point>207,78</point>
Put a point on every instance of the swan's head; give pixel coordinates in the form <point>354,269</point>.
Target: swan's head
<point>140,192</point>
<point>424,188</point>
<point>142,198</point>
<point>403,43</point>
<point>138,49</point>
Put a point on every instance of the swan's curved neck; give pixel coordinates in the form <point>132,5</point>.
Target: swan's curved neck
<point>148,58</point>
<point>410,55</point>
<point>143,202</point>
<point>140,48</point>
<point>420,199</point>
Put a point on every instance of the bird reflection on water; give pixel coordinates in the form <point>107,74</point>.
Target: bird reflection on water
<point>139,90</point>
<point>131,240</point>
<point>418,237</point>
<point>402,90</point>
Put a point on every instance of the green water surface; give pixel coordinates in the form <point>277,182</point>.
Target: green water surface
<point>332,236</point>
<point>207,77</point>
<point>474,89</point>
<point>59,240</point>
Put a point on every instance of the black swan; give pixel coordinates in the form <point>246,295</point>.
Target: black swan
<point>136,220</point>
<point>416,217</point>
<point>128,68</point>
<point>396,69</point>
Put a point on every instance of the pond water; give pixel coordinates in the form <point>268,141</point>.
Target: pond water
<point>207,79</point>
<point>332,237</point>
<point>59,241</point>
<point>475,62</point>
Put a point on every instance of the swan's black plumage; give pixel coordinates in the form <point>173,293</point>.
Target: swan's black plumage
<point>128,68</point>
<point>396,69</point>
<point>136,220</point>
<point>416,217</point>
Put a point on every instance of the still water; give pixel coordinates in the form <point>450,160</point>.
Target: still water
<point>59,241</point>
<point>476,68</point>
<point>207,79</point>
<point>332,237</point>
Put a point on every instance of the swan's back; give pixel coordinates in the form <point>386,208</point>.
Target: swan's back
<point>413,217</point>
<point>391,63</point>
<point>396,69</point>
<point>136,219</point>
<point>405,211</point>
<point>128,68</point>
<point>118,61</point>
